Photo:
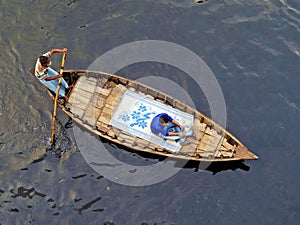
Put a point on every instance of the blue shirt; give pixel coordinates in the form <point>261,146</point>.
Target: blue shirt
<point>156,126</point>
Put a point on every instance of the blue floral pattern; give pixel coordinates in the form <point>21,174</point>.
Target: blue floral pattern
<point>135,115</point>
<point>125,117</point>
<point>139,115</point>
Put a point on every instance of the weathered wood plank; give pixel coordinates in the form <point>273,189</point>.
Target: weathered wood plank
<point>76,104</point>
<point>226,154</point>
<point>189,148</point>
<point>141,142</point>
<point>111,99</point>
<point>180,106</point>
<point>226,144</point>
<point>142,89</point>
<point>100,102</point>
<point>80,92</point>
<point>91,115</point>
<point>117,131</point>
<point>124,137</point>
<point>104,118</point>
<point>91,79</point>
<point>111,132</point>
<point>150,97</point>
<point>103,91</point>
<point>207,154</point>
<point>207,121</point>
<point>86,86</point>
<point>77,112</point>
<point>152,92</point>
<point>107,110</point>
<point>104,128</point>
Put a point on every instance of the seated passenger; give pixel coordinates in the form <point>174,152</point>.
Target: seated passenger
<point>164,125</point>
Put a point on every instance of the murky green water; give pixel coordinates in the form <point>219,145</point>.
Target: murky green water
<point>251,46</point>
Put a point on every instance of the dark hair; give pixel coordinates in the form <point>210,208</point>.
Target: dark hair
<point>163,119</point>
<point>44,60</point>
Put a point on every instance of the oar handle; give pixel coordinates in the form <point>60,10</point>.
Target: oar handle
<point>63,62</point>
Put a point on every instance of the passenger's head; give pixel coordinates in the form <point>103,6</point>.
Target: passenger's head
<point>163,120</point>
<point>45,61</point>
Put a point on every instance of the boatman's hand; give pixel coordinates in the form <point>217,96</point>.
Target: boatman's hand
<point>65,50</point>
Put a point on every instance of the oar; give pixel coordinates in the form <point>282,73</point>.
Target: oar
<point>56,98</point>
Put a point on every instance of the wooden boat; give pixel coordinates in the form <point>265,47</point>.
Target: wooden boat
<point>96,95</point>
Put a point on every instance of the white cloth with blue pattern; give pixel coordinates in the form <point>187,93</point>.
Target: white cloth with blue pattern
<point>135,113</point>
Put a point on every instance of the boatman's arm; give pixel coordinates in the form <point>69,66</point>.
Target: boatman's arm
<point>53,77</point>
<point>57,50</point>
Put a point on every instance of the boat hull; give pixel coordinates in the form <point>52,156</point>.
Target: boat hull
<point>97,95</point>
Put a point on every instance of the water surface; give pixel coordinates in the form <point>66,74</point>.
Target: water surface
<point>253,49</point>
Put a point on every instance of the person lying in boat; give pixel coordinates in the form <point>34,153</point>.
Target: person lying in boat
<point>165,126</point>
<point>47,75</point>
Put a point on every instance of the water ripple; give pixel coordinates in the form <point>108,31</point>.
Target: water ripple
<point>290,103</point>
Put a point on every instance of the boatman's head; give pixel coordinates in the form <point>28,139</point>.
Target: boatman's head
<point>45,61</point>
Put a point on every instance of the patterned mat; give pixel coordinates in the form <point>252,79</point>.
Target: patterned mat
<point>135,113</point>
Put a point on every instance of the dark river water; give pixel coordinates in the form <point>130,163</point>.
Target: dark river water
<point>253,50</point>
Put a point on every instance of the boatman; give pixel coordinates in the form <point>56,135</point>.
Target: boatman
<point>165,126</point>
<point>48,76</point>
